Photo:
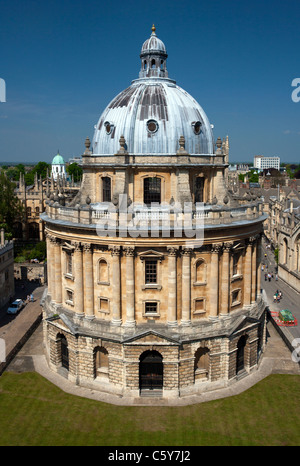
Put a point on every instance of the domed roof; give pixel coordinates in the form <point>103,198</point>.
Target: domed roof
<point>58,160</point>
<point>152,113</point>
<point>153,44</point>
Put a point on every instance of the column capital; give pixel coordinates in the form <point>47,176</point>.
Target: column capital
<point>77,246</point>
<point>129,250</point>
<point>186,251</point>
<point>227,246</point>
<point>216,248</point>
<point>252,239</point>
<point>115,250</point>
<point>87,247</point>
<point>172,250</point>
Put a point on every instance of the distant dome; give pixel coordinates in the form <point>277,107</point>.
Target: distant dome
<point>153,113</point>
<point>58,160</point>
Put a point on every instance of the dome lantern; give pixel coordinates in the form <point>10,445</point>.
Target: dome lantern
<point>154,57</point>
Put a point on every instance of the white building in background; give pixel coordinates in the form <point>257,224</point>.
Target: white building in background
<point>261,162</point>
<point>58,167</point>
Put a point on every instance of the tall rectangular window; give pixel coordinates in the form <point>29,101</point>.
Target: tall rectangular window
<point>106,189</point>
<point>199,189</point>
<point>152,190</point>
<point>151,271</point>
<point>69,264</point>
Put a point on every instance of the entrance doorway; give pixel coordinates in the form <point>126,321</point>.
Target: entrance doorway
<point>240,355</point>
<point>64,353</point>
<point>151,371</point>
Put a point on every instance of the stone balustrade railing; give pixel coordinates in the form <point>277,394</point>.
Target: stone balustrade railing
<point>107,213</point>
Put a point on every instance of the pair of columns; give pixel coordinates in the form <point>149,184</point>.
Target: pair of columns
<point>130,287</point>
<point>84,283</point>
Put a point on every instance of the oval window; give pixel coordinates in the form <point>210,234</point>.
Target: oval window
<point>152,126</point>
<point>108,127</point>
<point>197,127</point>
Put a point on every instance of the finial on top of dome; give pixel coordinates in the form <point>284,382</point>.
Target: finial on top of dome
<point>153,30</point>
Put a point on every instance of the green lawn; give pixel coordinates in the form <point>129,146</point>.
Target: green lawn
<point>35,412</point>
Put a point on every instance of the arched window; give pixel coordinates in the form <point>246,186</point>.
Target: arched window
<point>101,362</point>
<point>106,189</point>
<point>33,229</point>
<point>145,64</point>
<point>152,190</point>
<point>200,271</point>
<point>103,276</point>
<point>285,251</point>
<point>201,364</point>
<point>153,65</point>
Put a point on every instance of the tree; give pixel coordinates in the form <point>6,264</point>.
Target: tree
<point>75,170</point>
<point>41,169</point>
<point>10,206</point>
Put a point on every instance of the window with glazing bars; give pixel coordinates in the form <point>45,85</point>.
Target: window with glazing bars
<point>69,263</point>
<point>150,308</point>
<point>199,188</point>
<point>106,189</point>
<point>152,190</point>
<point>151,271</point>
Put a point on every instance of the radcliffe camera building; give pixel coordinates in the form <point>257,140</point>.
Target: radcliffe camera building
<point>136,304</point>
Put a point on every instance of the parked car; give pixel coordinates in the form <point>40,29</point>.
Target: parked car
<point>15,307</point>
<point>286,316</point>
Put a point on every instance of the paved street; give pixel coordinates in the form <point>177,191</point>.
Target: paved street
<point>13,327</point>
<point>290,298</point>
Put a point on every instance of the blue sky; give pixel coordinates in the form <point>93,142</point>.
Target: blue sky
<point>63,61</point>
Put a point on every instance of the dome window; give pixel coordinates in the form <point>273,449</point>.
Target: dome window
<point>197,126</point>
<point>108,127</point>
<point>152,126</point>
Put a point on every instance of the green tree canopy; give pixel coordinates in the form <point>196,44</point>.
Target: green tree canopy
<point>41,169</point>
<point>10,206</point>
<point>75,170</point>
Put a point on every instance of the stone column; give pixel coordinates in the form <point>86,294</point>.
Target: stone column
<point>57,272</point>
<point>49,263</point>
<point>248,273</point>
<point>88,280</point>
<point>172,285</point>
<point>254,272</point>
<point>225,280</point>
<point>214,281</point>
<point>186,286</point>
<point>78,276</point>
<point>258,265</point>
<point>130,317</point>
<point>116,284</point>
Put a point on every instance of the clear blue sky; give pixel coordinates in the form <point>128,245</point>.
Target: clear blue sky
<point>64,60</point>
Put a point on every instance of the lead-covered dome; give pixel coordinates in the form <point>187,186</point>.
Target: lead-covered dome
<point>153,113</point>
